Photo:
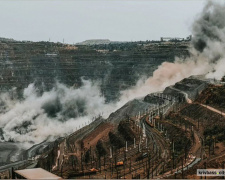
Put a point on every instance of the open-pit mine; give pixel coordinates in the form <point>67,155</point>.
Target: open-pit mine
<point>165,134</point>
<point>104,109</point>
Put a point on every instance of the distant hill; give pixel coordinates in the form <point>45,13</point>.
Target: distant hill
<point>94,41</point>
<point>6,39</point>
<point>99,42</point>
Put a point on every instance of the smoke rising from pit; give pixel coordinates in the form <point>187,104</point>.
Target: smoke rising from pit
<point>63,110</point>
<point>209,38</point>
<point>207,55</point>
<point>53,114</point>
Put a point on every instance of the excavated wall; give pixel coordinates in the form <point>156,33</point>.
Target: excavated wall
<point>115,66</point>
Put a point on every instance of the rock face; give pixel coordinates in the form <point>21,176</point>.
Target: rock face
<point>190,87</point>
<point>130,109</point>
<point>115,65</point>
<point>153,99</point>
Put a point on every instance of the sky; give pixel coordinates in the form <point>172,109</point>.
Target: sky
<point>78,20</point>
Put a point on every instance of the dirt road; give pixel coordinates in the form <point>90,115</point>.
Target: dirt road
<point>213,109</point>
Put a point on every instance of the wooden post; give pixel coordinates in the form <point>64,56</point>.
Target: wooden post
<point>99,160</point>
<point>209,146</point>
<point>82,168</point>
<point>13,173</point>
<point>198,123</point>
<point>112,167</point>
<point>149,165</point>
<point>205,167</point>
<point>146,167</point>
<point>182,168</point>
<point>124,167</point>
<point>152,171</point>
<point>130,164</point>
<point>173,161</point>
<point>223,168</point>
<point>104,161</point>
<point>185,152</point>
<point>61,171</point>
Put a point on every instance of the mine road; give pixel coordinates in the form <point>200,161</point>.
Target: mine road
<point>213,109</point>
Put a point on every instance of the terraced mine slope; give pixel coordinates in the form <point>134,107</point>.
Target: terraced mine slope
<point>116,66</point>
<point>166,134</point>
<point>160,136</point>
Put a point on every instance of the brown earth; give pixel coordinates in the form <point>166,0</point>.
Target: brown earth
<point>100,132</point>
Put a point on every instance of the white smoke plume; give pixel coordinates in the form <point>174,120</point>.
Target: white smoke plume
<point>209,37</point>
<point>53,114</point>
<point>207,55</point>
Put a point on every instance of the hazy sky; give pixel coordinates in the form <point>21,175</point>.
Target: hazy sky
<point>78,20</point>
